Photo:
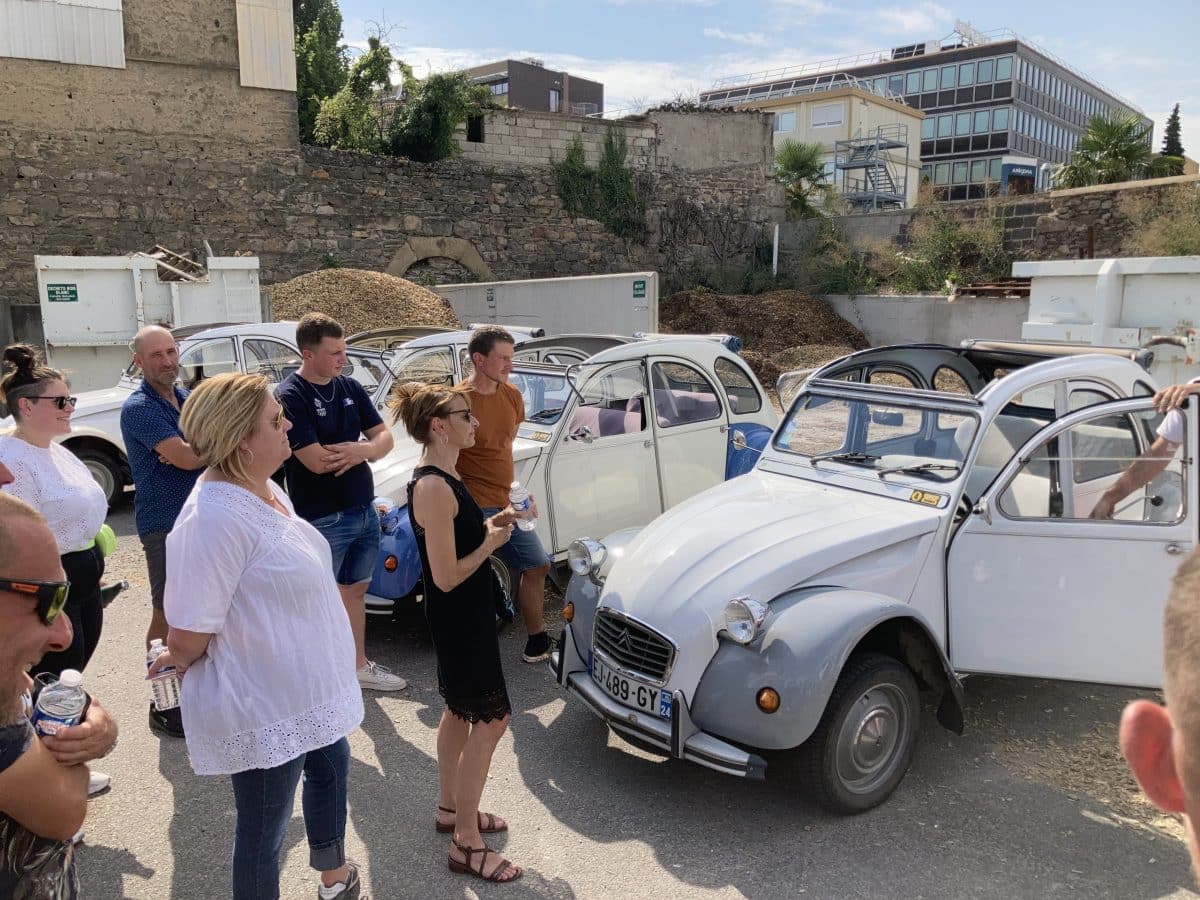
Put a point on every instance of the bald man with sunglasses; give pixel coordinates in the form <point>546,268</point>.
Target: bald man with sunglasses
<point>43,782</point>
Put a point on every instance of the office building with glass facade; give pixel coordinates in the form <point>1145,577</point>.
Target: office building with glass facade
<point>984,97</point>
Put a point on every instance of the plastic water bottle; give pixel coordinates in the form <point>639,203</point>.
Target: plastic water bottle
<point>164,687</point>
<point>520,500</point>
<point>60,705</point>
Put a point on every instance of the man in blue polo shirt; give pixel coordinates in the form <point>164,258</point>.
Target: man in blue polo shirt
<point>164,471</point>
<point>335,432</point>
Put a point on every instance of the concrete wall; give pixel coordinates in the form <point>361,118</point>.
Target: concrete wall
<point>522,138</point>
<point>708,141</point>
<point>932,318</point>
<point>181,80</point>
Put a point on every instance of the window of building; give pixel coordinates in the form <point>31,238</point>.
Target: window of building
<point>1000,118</point>
<point>986,68</point>
<point>994,168</point>
<point>947,77</point>
<point>499,88</point>
<point>912,83</point>
<point>929,80</point>
<point>962,123</point>
<point>941,173</point>
<point>966,74</point>
<point>960,173</point>
<point>927,172</point>
<point>785,121</point>
<point>475,129</point>
<point>978,170</point>
<point>826,115</point>
<point>982,121</point>
<point>896,84</point>
<point>880,85</point>
<point>945,126</point>
<point>928,128</point>
<point>555,99</point>
<point>828,170</point>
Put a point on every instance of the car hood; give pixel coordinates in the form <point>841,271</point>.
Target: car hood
<point>760,535</point>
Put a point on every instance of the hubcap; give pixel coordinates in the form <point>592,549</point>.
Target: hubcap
<point>103,477</point>
<point>872,737</point>
<point>501,571</point>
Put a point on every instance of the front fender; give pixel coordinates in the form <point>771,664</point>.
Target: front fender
<point>808,636</point>
<point>398,543</point>
<point>739,462</point>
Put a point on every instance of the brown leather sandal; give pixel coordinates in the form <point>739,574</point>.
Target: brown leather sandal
<point>464,867</point>
<point>487,823</point>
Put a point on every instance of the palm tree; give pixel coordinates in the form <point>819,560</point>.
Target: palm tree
<point>800,168</point>
<point>1110,150</point>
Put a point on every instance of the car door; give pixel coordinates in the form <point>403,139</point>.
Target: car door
<point>1035,587</point>
<point>691,429</point>
<point>267,356</point>
<point>602,473</point>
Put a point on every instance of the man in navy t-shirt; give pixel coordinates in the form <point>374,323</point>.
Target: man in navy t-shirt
<point>328,479</point>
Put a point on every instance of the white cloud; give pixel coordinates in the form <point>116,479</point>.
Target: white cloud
<point>925,19</point>
<point>813,7</point>
<point>750,38</point>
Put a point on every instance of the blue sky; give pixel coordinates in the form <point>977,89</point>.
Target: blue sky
<point>652,50</point>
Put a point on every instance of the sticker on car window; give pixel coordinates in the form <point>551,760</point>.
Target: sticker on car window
<point>928,498</point>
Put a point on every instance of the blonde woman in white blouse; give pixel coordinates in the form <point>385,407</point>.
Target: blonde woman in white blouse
<point>53,481</point>
<point>259,629</point>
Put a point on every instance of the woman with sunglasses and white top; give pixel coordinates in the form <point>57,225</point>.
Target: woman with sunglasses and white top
<point>52,480</point>
<point>259,632</point>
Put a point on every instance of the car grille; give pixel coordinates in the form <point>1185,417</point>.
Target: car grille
<point>633,647</point>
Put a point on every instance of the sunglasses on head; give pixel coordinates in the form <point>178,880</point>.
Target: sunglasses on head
<point>51,596</point>
<point>60,402</point>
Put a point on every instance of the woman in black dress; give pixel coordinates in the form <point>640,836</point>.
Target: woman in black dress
<point>455,542</point>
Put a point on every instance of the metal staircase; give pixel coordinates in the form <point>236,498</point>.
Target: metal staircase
<point>867,169</point>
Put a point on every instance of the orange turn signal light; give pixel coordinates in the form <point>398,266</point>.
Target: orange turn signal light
<point>569,612</point>
<point>390,563</point>
<point>767,699</point>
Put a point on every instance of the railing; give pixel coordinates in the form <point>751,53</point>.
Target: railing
<point>837,81</point>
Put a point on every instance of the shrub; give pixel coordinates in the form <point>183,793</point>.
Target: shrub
<point>608,193</point>
<point>1165,223</point>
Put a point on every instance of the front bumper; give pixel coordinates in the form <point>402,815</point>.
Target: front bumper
<point>678,737</point>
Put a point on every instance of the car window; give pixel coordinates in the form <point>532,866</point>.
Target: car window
<point>206,359</point>
<point>739,387</point>
<point>366,369</point>
<point>1081,398</point>
<point>545,395</point>
<point>891,379</point>
<point>683,395</point>
<point>1100,450</point>
<point>948,381</point>
<point>465,363</point>
<point>613,403</point>
<point>274,359</point>
<point>432,366</point>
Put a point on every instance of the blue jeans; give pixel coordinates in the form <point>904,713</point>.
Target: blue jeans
<point>524,549</point>
<point>264,800</point>
<point>353,536</point>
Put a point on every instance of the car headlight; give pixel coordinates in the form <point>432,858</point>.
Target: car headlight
<point>743,619</point>
<point>585,557</point>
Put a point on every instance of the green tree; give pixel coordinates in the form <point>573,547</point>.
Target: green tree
<point>321,66</point>
<point>1172,146</point>
<point>1111,150</point>
<point>800,168</point>
<point>352,119</point>
<point>425,124</point>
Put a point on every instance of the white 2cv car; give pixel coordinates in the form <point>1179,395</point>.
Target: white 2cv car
<point>922,512</point>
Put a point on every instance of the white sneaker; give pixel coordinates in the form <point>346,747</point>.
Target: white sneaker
<point>77,837</point>
<point>375,677</point>
<point>98,782</point>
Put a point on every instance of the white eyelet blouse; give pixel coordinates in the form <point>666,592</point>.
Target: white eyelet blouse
<point>57,484</point>
<point>278,677</point>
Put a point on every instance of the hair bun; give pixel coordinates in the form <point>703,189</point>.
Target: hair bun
<point>22,357</point>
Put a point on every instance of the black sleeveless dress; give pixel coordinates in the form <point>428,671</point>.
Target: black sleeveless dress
<point>462,622</point>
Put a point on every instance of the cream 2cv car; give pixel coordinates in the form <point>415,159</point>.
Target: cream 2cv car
<point>921,512</point>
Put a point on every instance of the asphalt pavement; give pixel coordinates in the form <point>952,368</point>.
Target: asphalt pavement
<point>1030,802</point>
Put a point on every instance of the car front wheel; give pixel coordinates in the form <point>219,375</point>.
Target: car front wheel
<point>106,470</point>
<point>864,743</point>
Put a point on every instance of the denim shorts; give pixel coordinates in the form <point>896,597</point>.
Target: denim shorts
<point>353,536</point>
<point>524,550</point>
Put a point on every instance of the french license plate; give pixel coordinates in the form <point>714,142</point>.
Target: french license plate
<point>630,692</point>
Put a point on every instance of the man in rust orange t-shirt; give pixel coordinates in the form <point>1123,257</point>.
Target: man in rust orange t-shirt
<point>487,471</point>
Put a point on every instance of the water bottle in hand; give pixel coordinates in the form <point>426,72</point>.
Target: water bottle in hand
<point>60,705</point>
<point>164,687</point>
<point>522,504</point>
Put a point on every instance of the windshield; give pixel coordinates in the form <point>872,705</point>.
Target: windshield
<point>883,435</point>
<point>545,395</point>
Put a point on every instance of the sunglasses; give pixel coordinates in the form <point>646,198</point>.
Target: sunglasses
<point>51,596</point>
<point>277,422</point>
<point>465,413</point>
<point>60,402</point>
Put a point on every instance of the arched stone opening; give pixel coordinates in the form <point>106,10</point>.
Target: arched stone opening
<point>416,249</point>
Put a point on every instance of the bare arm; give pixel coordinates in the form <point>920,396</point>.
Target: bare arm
<point>43,795</point>
<point>346,455</point>
<point>435,508</point>
<point>1141,472</point>
<point>90,739</point>
<point>177,452</point>
<point>316,458</point>
<point>183,648</point>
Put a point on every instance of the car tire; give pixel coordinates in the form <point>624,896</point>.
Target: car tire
<point>864,743</point>
<point>106,470</point>
<point>507,581</point>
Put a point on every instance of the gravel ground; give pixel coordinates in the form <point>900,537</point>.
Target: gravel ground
<point>1032,801</point>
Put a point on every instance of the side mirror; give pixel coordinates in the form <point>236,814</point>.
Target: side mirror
<point>738,440</point>
<point>582,433</point>
<point>894,419</point>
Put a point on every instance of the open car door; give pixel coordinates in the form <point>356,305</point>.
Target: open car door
<point>1035,587</point>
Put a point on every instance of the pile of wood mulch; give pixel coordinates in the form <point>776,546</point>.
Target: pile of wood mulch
<point>770,325</point>
<point>360,300</point>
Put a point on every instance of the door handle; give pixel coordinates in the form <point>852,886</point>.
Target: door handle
<point>1175,549</point>
<point>647,444</point>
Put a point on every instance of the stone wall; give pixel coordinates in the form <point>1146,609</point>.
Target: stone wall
<point>521,138</point>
